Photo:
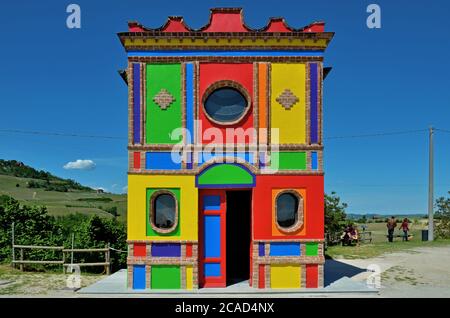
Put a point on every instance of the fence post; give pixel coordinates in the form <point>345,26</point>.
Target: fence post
<point>21,259</point>
<point>63,260</point>
<point>108,260</point>
<point>71,256</point>
<point>13,265</point>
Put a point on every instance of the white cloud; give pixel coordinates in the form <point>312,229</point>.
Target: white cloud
<point>80,165</point>
<point>125,189</point>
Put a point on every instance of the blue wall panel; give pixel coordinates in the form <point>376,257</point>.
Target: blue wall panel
<point>262,251</point>
<point>212,269</point>
<point>136,103</point>
<point>138,276</point>
<point>314,106</point>
<point>246,156</point>
<point>284,249</point>
<point>166,249</point>
<point>314,161</point>
<point>211,202</point>
<point>161,160</point>
<point>212,236</point>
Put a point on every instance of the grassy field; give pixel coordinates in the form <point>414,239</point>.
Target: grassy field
<point>62,203</point>
<point>380,245</point>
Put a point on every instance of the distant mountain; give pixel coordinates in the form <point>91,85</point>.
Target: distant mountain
<point>61,196</point>
<point>43,179</point>
<point>369,216</point>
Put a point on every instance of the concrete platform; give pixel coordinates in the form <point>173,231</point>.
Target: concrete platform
<point>115,285</point>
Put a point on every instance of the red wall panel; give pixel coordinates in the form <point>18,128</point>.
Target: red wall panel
<point>262,276</point>
<point>137,160</point>
<point>262,205</point>
<point>139,249</point>
<point>213,72</point>
<point>312,276</point>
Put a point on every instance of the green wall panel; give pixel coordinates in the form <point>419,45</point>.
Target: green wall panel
<point>312,249</point>
<point>225,174</point>
<point>160,123</point>
<point>288,160</point>
<point>166,277</point>
<point>150,231</point>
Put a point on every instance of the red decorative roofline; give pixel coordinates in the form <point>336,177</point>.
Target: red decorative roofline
<point>228,20</point>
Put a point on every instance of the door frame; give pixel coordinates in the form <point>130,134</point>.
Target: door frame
<point>219,281</point>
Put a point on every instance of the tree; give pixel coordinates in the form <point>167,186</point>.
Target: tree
<point>443,213</point>
<point>33,226</point>
<point>362,220</point>
<point>335,217</point>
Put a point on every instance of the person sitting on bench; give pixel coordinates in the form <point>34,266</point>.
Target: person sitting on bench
<point>350,234</point>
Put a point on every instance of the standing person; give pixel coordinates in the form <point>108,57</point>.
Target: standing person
<point>405,227</point>
<point>391,225</point>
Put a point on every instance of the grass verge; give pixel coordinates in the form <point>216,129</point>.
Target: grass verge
<point>378,248</point>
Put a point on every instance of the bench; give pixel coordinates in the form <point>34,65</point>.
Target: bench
<point>365,236</point>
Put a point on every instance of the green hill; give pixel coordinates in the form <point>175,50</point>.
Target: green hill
<point>61,196</point>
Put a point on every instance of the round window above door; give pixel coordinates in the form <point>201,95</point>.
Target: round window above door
<point>226,102</point>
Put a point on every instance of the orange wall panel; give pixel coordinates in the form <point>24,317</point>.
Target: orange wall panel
<point>262,100</point>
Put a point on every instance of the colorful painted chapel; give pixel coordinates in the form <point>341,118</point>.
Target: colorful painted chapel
<point>225,179</point>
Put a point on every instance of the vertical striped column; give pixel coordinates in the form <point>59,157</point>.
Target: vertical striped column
<point>314,106</point>
<point>136,103</point>
<point>189,113</point>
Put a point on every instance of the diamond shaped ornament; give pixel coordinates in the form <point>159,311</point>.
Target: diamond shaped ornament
<point>163,99</point>
<point>287,99</point>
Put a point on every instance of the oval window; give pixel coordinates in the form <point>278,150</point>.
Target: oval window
<point>226,105</point>
<point>287,208</point>
<point>164,211</point>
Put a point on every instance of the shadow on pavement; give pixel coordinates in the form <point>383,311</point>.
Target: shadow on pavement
<point>335,270</point>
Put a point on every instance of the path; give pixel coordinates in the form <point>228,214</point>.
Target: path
<point>419,272</point>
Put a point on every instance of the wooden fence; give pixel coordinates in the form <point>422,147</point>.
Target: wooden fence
<point>62,261</point>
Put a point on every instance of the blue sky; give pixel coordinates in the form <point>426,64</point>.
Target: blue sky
<point>390,79</point>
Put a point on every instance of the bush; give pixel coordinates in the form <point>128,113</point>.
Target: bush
<point>335,217</point>
<point>112,210</point>
<point>443,214</point>
<point>34,226</point>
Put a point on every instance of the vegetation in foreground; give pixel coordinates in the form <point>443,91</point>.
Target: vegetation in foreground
<point>34,226</point>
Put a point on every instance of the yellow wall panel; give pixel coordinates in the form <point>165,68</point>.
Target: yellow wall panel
<point>136,212</point>
<point>189,277</point>
<point>285,276</point>
<point>290,122</point>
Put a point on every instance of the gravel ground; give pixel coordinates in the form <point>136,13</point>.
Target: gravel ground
<point>420,272</point>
